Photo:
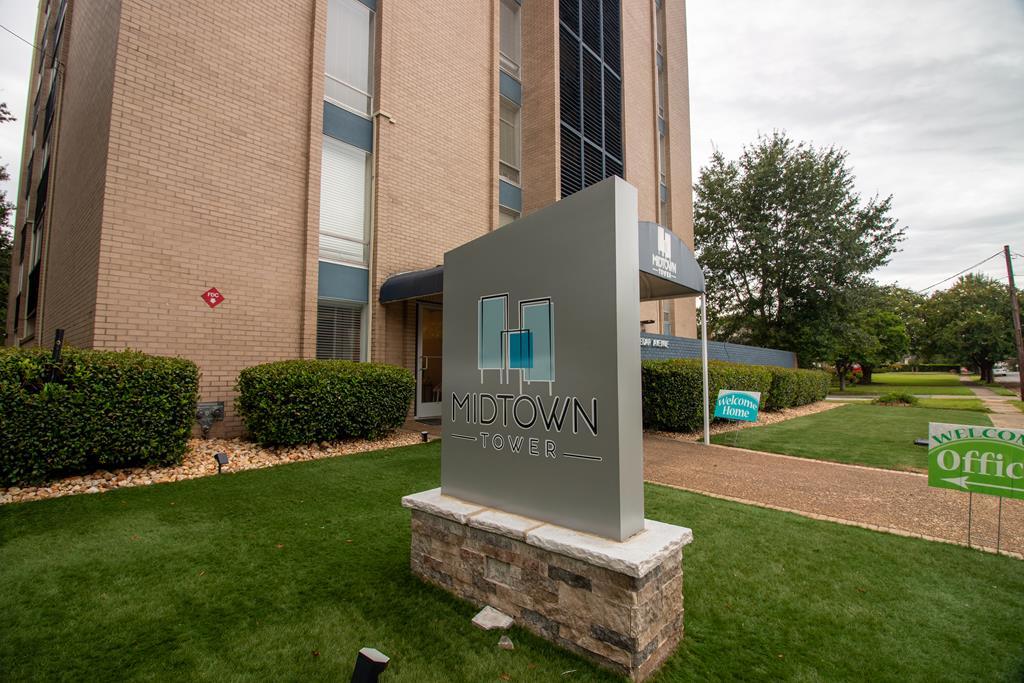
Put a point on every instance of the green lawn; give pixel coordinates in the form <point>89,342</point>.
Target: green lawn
<point>284,573</point>
<point>911,382</point>
<point>975,404</point>
<point>1000,390</point>
<point>1019,405</point>
<point>920,379</point>
<point>878,436</point>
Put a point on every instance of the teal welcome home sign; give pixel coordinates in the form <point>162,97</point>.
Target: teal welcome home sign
<point>738,405</point>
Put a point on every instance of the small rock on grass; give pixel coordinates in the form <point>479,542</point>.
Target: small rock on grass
<point>505,643</point>
<point>489,618</point>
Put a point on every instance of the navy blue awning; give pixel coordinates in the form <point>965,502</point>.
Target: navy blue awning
<point>417,284</point>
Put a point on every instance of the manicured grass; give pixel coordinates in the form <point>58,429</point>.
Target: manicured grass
<point>245,576</point>
<point>878,436</point>
<point>915,389</point>
<point>922,379</point>
<point>975,404</point>
<point>910,382</point>
<point>1000,390</point>
<point>1019,405</point>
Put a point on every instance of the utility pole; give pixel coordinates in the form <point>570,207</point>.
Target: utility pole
<point>1015,308</point>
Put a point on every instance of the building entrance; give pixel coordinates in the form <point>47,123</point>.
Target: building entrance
<point>428,360</point>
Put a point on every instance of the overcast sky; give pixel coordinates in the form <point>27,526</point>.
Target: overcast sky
<point>927,96</point>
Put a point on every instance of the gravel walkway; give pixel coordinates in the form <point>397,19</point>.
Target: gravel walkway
<point>883,500</point>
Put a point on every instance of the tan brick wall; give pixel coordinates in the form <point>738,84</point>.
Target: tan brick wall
<point>639,104</point>
<point>541,163</point>
<point>72,252</point>
<point>78,143</point>
<point>680,173</point>
<point>213,166</point>
<point>436,156</point>
<point>207,186</point>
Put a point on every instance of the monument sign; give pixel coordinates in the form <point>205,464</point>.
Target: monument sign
<point>542,412</point>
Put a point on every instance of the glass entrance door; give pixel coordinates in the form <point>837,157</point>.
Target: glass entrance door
<point>428,360</point>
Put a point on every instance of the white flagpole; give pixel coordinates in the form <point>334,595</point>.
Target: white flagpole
<point>704,361</point>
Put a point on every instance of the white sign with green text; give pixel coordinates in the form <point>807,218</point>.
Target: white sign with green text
<point>976,459</point>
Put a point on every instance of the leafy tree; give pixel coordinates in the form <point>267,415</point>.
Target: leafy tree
<point>869,330</point>
<point>783,235</point>
<point>970,323</point>
<point>882,314</point>
<point>6,237</point>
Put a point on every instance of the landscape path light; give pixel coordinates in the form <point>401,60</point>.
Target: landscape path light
<point>369,665</point>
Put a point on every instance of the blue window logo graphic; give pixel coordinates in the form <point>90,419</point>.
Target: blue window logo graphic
<point>530,348</point>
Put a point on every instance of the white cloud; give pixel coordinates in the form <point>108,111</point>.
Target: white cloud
<point>927,97</point>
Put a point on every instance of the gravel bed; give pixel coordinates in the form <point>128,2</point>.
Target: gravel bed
<point>199,462</point>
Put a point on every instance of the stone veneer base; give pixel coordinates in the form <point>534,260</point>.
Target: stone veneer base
<point>619,604</point>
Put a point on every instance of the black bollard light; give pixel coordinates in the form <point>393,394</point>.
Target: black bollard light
<point>425,436</point>
<point>369,664</point>
<point>222,459</point>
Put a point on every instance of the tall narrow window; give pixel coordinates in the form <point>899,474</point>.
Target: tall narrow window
<point>666,318</point>
<point>511,37</point>
<point>510,142</point>
<point>348,63</point>
<point>590,92</point>
<point>344,181</point>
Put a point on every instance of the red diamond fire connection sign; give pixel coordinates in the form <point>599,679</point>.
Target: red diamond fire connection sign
<point>212,297</point>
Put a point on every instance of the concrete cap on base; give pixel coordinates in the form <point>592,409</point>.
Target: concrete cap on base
<point>636,556</point>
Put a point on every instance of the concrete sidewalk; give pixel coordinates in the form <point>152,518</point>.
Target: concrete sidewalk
<point>884,500</point>
<point>1004,413</point>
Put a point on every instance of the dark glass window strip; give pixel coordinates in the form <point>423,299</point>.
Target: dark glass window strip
<point>590,86</point>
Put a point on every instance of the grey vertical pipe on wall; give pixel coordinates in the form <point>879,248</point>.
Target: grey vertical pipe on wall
<point>704,363</point>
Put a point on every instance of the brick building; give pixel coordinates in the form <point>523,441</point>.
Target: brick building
<point>298,155</point>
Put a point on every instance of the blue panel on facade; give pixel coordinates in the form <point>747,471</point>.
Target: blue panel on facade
<point>510,196</point>
<point>510,88</point>
<point>372,4</point>
<point>343,282</point>
<point>350,128</point>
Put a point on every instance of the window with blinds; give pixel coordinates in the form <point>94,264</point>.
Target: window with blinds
<point>510,48</point>
<point>510,141</point>
<point>339,330</point>
<point>590,92</point>
<point>343,191</point>
<point>348,57</point>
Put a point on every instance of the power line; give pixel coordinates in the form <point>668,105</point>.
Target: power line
<point>33,46</point>
<point>30,44</point>
<point>965,270</point>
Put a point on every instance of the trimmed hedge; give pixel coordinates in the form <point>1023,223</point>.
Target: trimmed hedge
<point>305,401</point>
<point>792,388</point>
<point>91,410</point>
<point>673,394</point>
<point>672,389</point>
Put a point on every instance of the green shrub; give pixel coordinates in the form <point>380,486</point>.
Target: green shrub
<point>305,401</point>
<point>792,387</point>
<point>92,409</point>
<point>896,398</point>
<point>672,390</point>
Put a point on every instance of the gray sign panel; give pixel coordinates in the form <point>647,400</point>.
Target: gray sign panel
<point>542,409</point>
